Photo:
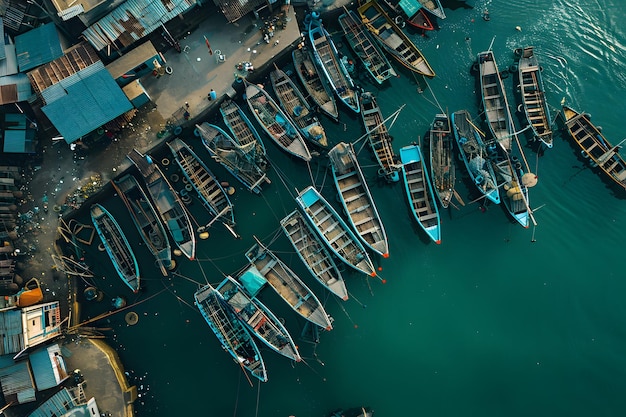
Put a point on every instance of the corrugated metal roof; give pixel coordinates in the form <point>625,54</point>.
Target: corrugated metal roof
<point>11,330</point>
<point>55,405</point>
<point>37,47</point>
<point>132,21</point>
<point>8,65</point>
<point>48,367</point>
<point>17,381</point>
<point>2,40</point>
<point>84,101</point>
<point>235,10</point>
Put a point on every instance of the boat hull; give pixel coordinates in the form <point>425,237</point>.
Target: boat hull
<point>420,192</point>
<point>316,87</point>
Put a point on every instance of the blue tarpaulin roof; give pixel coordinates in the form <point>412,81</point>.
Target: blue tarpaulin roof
<point>253,281</point>
<point>84,101</point>
<point>37,47</point>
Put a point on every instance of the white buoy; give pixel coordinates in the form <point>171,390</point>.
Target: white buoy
<point>518,28</point>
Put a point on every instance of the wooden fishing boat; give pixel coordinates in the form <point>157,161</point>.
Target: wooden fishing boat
<point>334,231</point>
<point>434,7</point>
<point>494,101</point>
<point>295,105</point>
<point>166,202</point>
<point>393,39</point>
<point>356,198</point>
<point>146,220</point>
<point>288,285</point>
<point>594,146</point>
<point>475,155</point>
<point>243,132</point>
<point>411,12</point>
<point>365,47</point>
<point>315,86</point>
<point>420,192</point>
<point>259,319</point>
<point>211,193</point>
<point>232,156</point>
<point>327,58</point>
<point>275,122</point>
<point>442,166</point>
<point>313,253</point>
<point>378,137</point>
<point>534,96</point>
<point>509,174</point>
<point>230,331</point>
<point>116,246</point>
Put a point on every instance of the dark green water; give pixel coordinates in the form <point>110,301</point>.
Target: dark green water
<point>489,323</point>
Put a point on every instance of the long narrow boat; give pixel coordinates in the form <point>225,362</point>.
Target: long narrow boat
<point>232,156</point>
<point>116,245</point>
<point>534,96</point>
<point>211,193</point>
<point>412,12</point>
<point>365,47</point>
<point>494,101</point>
<point>594,146</point>
<point>327,58</point>
<point>146,220</point>
<point>166,201</point>
<point>315,86</point>
<point>243,132</point>
<point>474,153</point>
<point>356,198</point>
<point>442,166</point>
<point>275,122</point>
<point>295,105</point>
<point>330,227</point>
<point>434,7</point>
<point>509,173</point>
<point>378,137</point>
<point>393,39</point>
<point>313,253</point>
<point>230,331</point>
<point>259,319</point>
<point>420,191</point>
<point>288,285</point>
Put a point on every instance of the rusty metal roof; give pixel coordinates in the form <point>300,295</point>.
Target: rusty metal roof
<point>132,21</point>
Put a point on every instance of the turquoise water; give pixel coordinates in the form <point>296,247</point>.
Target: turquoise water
<point>497,320</point>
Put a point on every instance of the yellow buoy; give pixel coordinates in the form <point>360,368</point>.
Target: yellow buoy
<point>529,179</point>
<point>178,252</point>
<point>204,235</point>
<point>172,265</point>
<point>231,190</point>
<point>131,318</point>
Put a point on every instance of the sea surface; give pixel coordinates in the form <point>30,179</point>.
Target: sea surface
<point>497,320</point>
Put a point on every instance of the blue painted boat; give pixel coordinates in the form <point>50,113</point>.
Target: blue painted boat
<point>259,319</point>
<point>475,155</point>
<point>235,158</point>
<point>334,231</point>
<point>419,191</point>
<point>356,198</point>
<point>434,7</point>
<point>271,270</point>
<point>230,331</point>
<point>278,126</point>
<point>166,201</point>
<point>116,246</point>
<point>213,196</point>
<point>533,95</point>
<point>366,48</point>
<point>314,253</point>
<point>327,59</point>
<point>146,220</point>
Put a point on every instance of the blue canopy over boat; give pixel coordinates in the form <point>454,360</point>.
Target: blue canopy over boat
<point>252,281</point>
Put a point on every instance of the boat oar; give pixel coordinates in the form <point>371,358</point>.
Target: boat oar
<point>458,197</point>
